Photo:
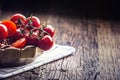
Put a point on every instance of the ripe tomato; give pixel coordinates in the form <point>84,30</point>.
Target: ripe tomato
<point>20,43</point>
<point>49,29</point>
<point>17,35</point>
<point>16,18</point>
<point>3,31</point>
<point>45,43</point>
<point>10,26</point>
<point>32,21</point>
<point>32,39</point>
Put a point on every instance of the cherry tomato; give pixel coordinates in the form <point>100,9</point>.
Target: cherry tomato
<point>3,31</point>
<point>16,36</point>
<point>32,39</point>
<point>17,19</point>
<point>10,26</point>
<point>45,43</point>
<point>20,43</point>
<point>32,21</point>
<point>49,29</point>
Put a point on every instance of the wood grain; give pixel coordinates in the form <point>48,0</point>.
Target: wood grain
<point>97,44</point>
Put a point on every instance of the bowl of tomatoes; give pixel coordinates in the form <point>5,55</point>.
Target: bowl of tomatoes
<point>23,39</point>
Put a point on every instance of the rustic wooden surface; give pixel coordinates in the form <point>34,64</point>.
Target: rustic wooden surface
<point>97,44</point>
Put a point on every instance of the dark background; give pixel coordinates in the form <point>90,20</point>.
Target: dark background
<point>82,8</point>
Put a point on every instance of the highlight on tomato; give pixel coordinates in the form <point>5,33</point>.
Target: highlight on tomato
<point>50,30</point>
<point>45,43</point>
<point>3,31</point>
<point>32,22</point>
<point>20,43</point>
<point>11,26</point>
<point>18,19</point>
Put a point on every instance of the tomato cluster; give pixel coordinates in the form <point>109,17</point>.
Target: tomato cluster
<point>20,31</point>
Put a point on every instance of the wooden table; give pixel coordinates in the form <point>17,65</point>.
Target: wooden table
<point>97,44</point>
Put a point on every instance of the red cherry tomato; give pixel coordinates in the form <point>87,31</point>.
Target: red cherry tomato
<point>10,26</point>
<point>49,29</point>
<point>16,18</point>
<point>3,31</point>
<point>17,35</point>
<point>45,43</point>
<point>32,39</point>
<point>20,43</point>
<point>32,21</point>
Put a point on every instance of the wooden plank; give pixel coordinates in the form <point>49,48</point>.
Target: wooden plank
<point>108,51</point>
<point>97,44</point>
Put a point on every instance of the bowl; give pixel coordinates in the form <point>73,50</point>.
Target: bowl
<point>12,56</point>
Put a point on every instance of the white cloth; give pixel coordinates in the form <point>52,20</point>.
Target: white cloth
<point>57,52</point>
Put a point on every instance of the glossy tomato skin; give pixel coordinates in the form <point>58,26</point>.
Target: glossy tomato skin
<point>34,21</point>
<point>45,43</point>
<point>11,26</point>
<point>20,43</point>
<point>49,29</point>
<point>3,31</point>
<point>16,17</point>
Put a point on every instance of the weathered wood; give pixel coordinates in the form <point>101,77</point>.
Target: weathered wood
<point>97,44</point>
<point>109,45</point>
